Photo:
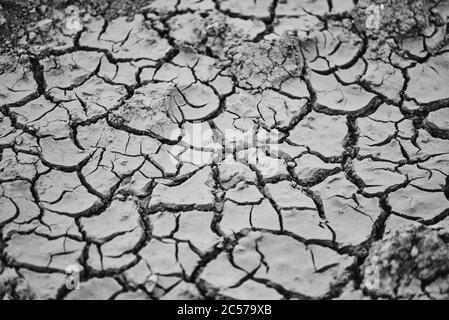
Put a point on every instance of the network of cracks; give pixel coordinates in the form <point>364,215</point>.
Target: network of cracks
<point>329,136</point>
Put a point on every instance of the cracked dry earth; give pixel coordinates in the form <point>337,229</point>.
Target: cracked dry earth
<point>97,169</point>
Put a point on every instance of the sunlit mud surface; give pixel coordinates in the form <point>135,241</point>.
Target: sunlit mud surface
<point>228,149</point>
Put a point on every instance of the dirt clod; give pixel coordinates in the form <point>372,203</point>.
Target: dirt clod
<point>405,263</point>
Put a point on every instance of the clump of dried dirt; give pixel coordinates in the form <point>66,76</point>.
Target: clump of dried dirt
<point>153,108</point>
<point>215,33</point>
<point>212,32</point>
<point>268,63</point>
<point>396,19</point>
<point>408,264</point>
<point>387,23</point>
<point>13,287</point>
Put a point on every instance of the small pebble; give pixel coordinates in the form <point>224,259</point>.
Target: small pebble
<point>414,252</point>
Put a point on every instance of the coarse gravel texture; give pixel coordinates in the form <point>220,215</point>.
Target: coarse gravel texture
<point>333,143</point>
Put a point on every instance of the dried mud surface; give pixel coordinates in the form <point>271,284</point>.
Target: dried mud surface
<point>97,169</point>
